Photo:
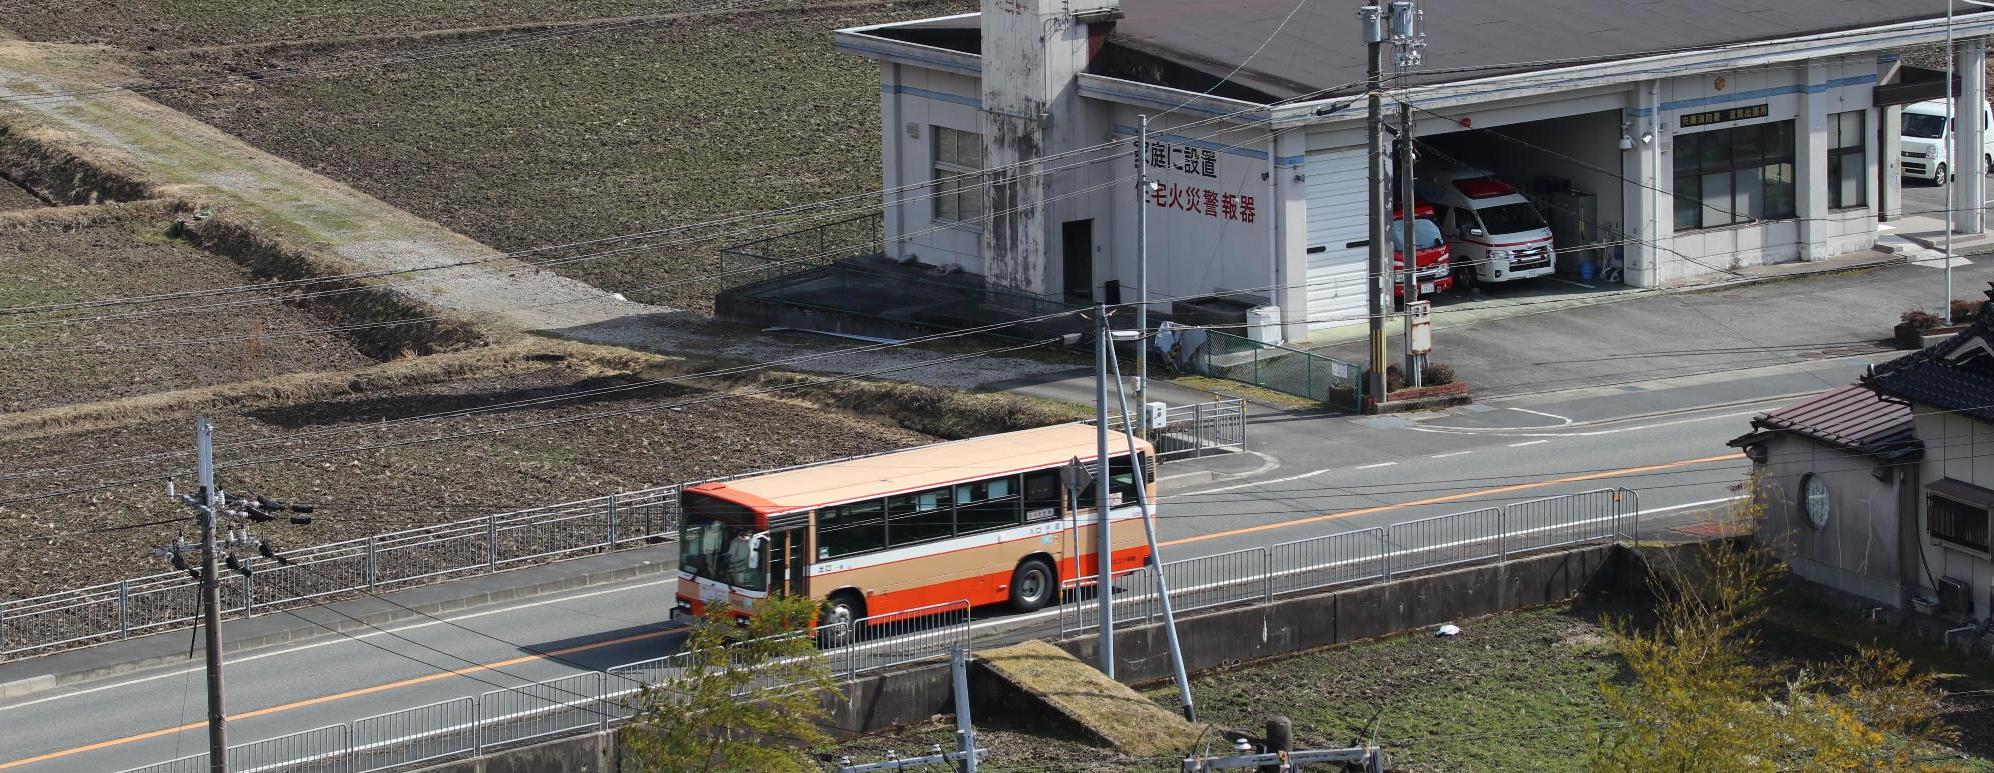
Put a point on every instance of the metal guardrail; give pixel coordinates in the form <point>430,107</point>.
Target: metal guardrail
<point>1290,371</point>
<point>593,701</point>
<point>459,548</point>
<point>468,547</point>
<point>1190,431</point>
<point>585,702</point>
<point>1256,576</point>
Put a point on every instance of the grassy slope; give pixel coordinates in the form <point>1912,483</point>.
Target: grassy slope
<point>557,141</point>
<point>1515,691</point>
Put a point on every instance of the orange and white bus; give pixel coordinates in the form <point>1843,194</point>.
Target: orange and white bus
<point>986,520</point>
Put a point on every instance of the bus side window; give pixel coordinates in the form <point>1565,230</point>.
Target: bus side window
<point>847,529</point>
<point>911,518</point>
<point>1122,483</point>
<point>987,505</point>
<point>1042,495</point>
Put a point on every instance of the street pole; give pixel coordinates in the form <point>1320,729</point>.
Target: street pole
<point>1104,589</point>
<point>1415,362</point>
<point>1142,266</point>
<point>965,729</point>
<point>211,597</point>
<point>1952,164</point>
<point>1155,556</point>
<point>1381,271</point>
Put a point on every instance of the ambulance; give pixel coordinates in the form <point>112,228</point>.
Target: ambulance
<point>1493,233</point>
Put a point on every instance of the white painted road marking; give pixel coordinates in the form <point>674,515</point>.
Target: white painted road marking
<point>1373,466</point>
<point>236,660</point>
<point>1527,443</point>
<point>1450,453</point>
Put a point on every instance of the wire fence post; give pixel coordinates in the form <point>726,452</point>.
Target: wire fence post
<point>1502,534</point>
<point>1385,551</point>
<point>609,508</point>
<point>124,609</point>
<point>248,587</point>
<point>367,564</point>
<point>491,543</point>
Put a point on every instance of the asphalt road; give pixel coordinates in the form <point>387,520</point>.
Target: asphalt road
<point>1307,476</point>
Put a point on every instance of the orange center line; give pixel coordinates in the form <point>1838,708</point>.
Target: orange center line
<point>1450,498</point>
<point>337,696</point>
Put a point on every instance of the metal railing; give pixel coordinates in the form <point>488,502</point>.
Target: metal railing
<point>584,702</point>
<point>802,249</point>
<point>592,701</point>
<point>1256,576</point>
<point>459,548</point>
<point>469,547</point>
<point>1190,431</point>
<point>1289,371</point>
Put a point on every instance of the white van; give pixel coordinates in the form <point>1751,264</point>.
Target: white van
<point>1925,135</point>
<point>1494,233</point>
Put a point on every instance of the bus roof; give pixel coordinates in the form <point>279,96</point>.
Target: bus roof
<point>914,469</point>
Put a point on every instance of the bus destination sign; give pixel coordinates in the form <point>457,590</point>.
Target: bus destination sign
<point>1724,116</point>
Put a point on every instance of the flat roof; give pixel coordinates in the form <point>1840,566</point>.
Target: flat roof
<point>919,468</point>
<point>1318,48</point>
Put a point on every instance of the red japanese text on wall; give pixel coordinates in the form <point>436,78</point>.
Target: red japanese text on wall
<point>1204,201</point>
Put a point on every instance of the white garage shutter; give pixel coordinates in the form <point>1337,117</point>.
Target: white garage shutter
<point>1337,199</point>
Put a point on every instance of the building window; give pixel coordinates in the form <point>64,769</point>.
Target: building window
<point>1731,176</point>
<point>1949,520</point>
<point>958,187</point>
<point>1845,161</point>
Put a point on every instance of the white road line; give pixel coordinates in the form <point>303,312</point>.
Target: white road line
<point>1562,420</point>
<point>1236,487</point>
<point>1373,466</point>
<point>1592,433</point>
<point>237,660</point>
<point>1527,443</point>
<point>1448,454</point>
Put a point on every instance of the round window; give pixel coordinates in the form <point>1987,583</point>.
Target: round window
<point>1814,493</point>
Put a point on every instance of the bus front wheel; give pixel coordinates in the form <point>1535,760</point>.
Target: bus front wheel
<point>838,624</point>
<point>1032,585</point>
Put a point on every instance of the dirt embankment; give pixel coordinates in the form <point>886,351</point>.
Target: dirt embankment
<point>379,320</point>
<point>532,431</point>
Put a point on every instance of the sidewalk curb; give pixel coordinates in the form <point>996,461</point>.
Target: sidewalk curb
<point>21,688</point>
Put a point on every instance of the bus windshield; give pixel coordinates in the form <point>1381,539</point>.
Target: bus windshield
<point>717,541</point>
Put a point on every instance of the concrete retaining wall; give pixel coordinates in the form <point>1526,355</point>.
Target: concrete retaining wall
<point>1219,639</point>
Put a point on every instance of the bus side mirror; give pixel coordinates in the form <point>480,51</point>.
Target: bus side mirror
<point>755,550</point>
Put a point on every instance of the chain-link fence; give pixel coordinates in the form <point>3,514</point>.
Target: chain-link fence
<point>1307,375</point>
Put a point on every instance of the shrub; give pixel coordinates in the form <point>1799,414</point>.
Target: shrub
<point>1965,309</point>
<point>1919,319</point>
<point>1394,378</point>
<point>1439,373</point>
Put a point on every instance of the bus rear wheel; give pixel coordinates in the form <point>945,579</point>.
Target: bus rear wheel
<point>838,623</point>
<point>1032,585</point>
